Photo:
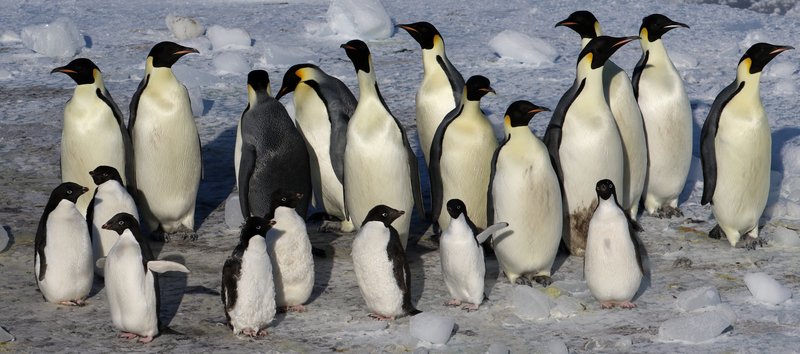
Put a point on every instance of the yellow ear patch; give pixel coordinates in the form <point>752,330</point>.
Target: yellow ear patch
<point>507,120</point>
<point>437,40</point>
<point>747,63</point>
<point>588,57</point>
<point>301,73</point>
<point>643,33</point>
<point>597,30</point>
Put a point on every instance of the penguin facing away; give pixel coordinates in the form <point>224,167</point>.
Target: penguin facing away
<point>736,147</point>
<point>667,116</point>
<point>380,265</point>
<point>248,292</point>
<point>273,153</point>
<point>613,262</point>
<point>323,106</point>
<point>63,257</point>
<point>166,146</point>
<point>93,132</point>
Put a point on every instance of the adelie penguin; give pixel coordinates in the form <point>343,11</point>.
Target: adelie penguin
<point>620,98</point>
<point>379,165</point>
<point>524,192</point>
<point>63,257</point>
<point>273,153</point>
<point>461,155</point>
<point>584,141</point>
<point>667,116</point>
<point>93,131</point>
<point>323,106</point>
<point>381,267</point>
<point>166,146</point>
<point>736,148</point>
<point>442,85</point>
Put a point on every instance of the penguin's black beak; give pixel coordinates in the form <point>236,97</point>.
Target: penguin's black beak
<point>282,92</point>
<point>539,109</point>
<point>487,90</point>
<point>347,47</point>
<point>186,50</point>
<point>106,226</point>
<point>625,40</point>
<point>299,196</point>
<point>566,23</point>
<point>63,69</point>
<point>675,25</point>
<point>780,49</point>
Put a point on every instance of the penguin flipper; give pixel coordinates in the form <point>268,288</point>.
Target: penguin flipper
<point>413,167</point>
<point>435,156</point>
<point>708,155</point>
<point>400,268</point>
<point>637,72</point>
<point>246,166</point>
<point>90,215</point>
<point>39,244</point>
<point>134,106</point>
<point>485,234</point>
<point>162,266</point>
<point>455,78</point>
<point>489,195</point>
<point>339,111</point>
<point>552,136</point>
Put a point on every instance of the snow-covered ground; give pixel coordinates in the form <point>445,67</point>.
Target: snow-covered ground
<point>272,35</point>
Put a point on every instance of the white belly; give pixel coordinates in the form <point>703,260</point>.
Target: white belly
<point>610,268</point>
<point>463,266</point>
<point>434,100</point>
<point>374,271</point>
<point>292,262</point>
<point>129,289</point>
<point>255,302</point>
<point>110,200</point>
<point>68,254</point>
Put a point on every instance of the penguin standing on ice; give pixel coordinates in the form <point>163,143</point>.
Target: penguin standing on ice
<point>273,154</point>
<point>667,118</point>
<point>736,148</point>
<point>63,257</point>
<point>323,106</point>
<point>94,133</point>
<point>379,165</point>
<point>166,146</point>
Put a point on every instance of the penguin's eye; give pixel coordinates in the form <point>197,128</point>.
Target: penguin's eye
<point>121,222</point>
<point>105,174</point>
<point>69,191</point>
<point>283,199</point>
<point>258,227</point>
<point>384,215</point>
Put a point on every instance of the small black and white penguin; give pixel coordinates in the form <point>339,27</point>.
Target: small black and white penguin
<point>63,257</point>
<point>166,146</point>
<point>524,192</point>
<point>461,155</point>
<point>622,101</point>
<point>131,281</point>
<point>248,292</point>
<point>110,198</point>
<point>93,131</point>
<point>323,105</point>
<point>380,167</point>
<point>442,85</point>
<point>736,148</point>
<point>273,153</point>
<point>584,141</point>
<point>379,261</point>
<point>613,263</point>
<point>290,252</point>
<point>667,116</point>
<point>463,266</point>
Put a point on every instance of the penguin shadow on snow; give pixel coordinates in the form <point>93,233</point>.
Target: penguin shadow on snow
<point>688,186</point>
<point>646,268</point>
<point>218,174</point>
<point>173,288</point>
<point>415,251</point>
<point>323,266</point>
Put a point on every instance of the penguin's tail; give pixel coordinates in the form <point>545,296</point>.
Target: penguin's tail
<point>164,330</point>
<point>413,311</point>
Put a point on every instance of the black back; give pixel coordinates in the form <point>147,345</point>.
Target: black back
<point>65,191</point>
<point>708,155</point>
<point>552,136</point>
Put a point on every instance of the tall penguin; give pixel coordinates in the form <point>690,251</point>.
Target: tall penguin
<point>441,87</point>
<point>63,257</point>
<point>323,105</point>
<point>524,192</point>
<point>132,288</point>
<point>667,118</point>
<point>736,147</point>
<point>93,130</point>
<point>379,165</point>
<point>620,98</point>
<point>461,155</point>
<point>584,141</point>
<point>273,154</point>
<point>166,145</point>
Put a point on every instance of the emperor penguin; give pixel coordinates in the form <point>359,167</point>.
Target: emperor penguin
<point>461,155</point>
<point>620,98</point>
<point>93,132</point>
<point>667,118</point>
<point>442,85</point>
<point>166,146</point>
<point>524,192</point>
<point>463,266</point>
<point>323,105</point>
<point>273,153</point>
<point>290,252</point>
<point>131,281</point>
<point>584,141</point>
<point>110,198</point>
<point>613,262</point>
<point>63,257</point>
<point>736,148</point>
<point>379,165</point>
<point>248,292</point>
<point>380,265</point>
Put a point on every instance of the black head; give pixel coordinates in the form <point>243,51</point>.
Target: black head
<point>760,54</point>
<point>102,174</point>
<point>520,113</point>
<point>285,198</point>
<point>292,78</point>
<point>69,191</point>
<point>582,22</point>
<point>255,226</point>
<point>384,214</point>
<point>258,80</point>
<point>358,52</point>
<point>455,207</point>
<point>601,48</point>
<point>605,189</point>
<point>655,25</point>
<point>81,70</point>
<point>121,222</point>
<point>165,54</point>
<point>477,87</point>
<point>423,32</point>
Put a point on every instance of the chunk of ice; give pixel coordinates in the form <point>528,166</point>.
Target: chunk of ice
<point>3,238</point>
<point>785,237</point>
<point>573,287</point>
<point>57,39</point>
<point>556,346</point>
<point>766,289</point>
<point>695,328</point>
<point>183,27</point>
<point>529,303</point>
<point>522,48</point>
<point>231,63</point>
<point>431,327</point>
<point>228,38</point>
<point>566,306</point>
<point>9,37</point>
<point>694,299</point>
<point>233,211</point>
<point>363,19</point>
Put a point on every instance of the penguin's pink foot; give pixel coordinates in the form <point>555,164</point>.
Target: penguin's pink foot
<point>127,335</point>
<point>607,305</point>
<point>293,308</point>
<point>381,318</point>
<point>263,333</point>
<point>452,302</point>
<point>145,340</point>
<point>73,303</point>
<point>627,305</point>
<point>471,307</point>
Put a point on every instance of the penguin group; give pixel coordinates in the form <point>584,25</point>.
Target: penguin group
<point>613,143</point>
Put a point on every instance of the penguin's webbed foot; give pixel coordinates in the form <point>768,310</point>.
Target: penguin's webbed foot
<point>605,305</point>
<point>378,317</point>
<point>672,212</point>
<point>453,302</point>
<point>127,335</point>
<point>627,305</point>
<point>523,281</point>
<point>145,340</point>
<point>79,303</point>
<point>471,307</point>
<point>716,233</point>
<point>263,332</point>
<point>544,280</point>
<point>293,308</point>
<point>318,252</point>
<point>750,243</point>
